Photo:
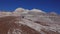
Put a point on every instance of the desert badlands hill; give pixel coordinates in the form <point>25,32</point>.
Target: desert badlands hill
<point>24,21</point>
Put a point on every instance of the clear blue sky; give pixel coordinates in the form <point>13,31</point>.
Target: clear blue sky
<point>45,5</point>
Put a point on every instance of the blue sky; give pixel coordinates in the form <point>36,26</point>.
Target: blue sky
<point>45,5</point>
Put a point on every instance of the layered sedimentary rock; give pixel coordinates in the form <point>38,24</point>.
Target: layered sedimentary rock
<point>24,21</point>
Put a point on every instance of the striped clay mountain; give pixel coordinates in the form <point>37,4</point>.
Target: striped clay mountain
<point>24,21</point>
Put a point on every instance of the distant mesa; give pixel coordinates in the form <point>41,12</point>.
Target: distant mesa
<point>53,13</point>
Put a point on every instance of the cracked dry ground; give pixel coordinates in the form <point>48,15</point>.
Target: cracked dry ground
<point>8,26</point>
